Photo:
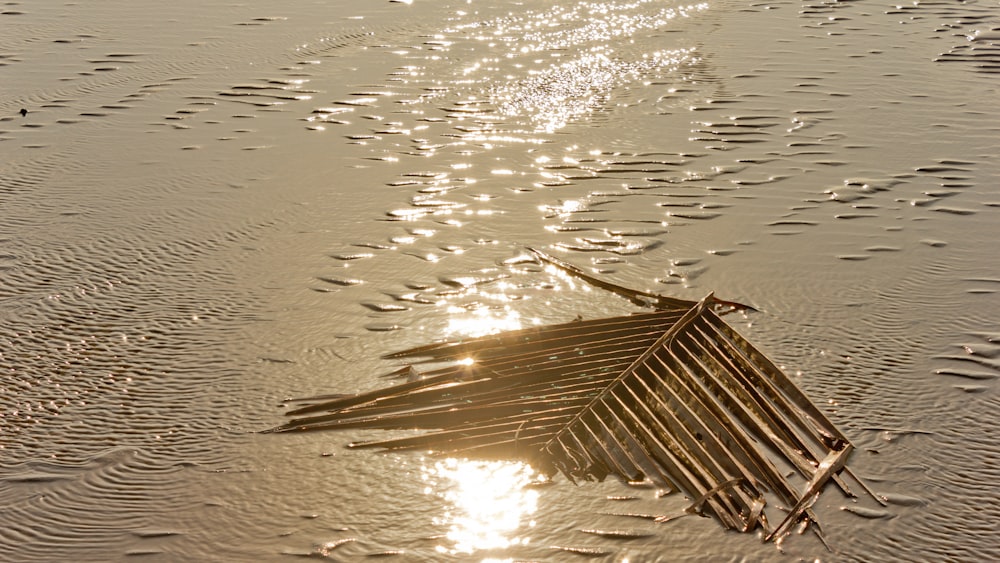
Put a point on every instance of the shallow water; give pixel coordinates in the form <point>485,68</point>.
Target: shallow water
<point>209,210</point>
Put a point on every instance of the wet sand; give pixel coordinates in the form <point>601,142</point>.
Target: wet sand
<point>208,210</point>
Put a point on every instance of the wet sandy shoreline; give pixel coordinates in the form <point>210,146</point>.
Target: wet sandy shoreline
<point>205,215</point>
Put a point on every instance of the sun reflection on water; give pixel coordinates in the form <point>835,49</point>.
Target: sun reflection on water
<point>481,321</point>
<point>490,503</point>
<point>479,311</point>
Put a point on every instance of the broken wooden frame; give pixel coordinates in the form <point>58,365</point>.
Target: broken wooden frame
<point>674,397</point>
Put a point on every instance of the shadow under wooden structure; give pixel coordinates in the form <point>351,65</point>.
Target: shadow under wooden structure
<point>675,397</point>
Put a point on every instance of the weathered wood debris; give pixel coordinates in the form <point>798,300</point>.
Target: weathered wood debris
<point>674,397</point>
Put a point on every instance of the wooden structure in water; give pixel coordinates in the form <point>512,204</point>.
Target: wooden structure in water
<point>674,397</point>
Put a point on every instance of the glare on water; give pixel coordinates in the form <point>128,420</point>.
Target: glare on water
<point>489,503</point>
<point>482,321</point>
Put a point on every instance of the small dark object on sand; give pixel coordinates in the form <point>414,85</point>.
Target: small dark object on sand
<point>24,112</point>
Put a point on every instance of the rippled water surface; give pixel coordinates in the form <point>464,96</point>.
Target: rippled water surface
<point>210,209</point>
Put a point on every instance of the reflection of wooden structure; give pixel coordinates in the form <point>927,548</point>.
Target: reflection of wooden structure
<point>674,397</point>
